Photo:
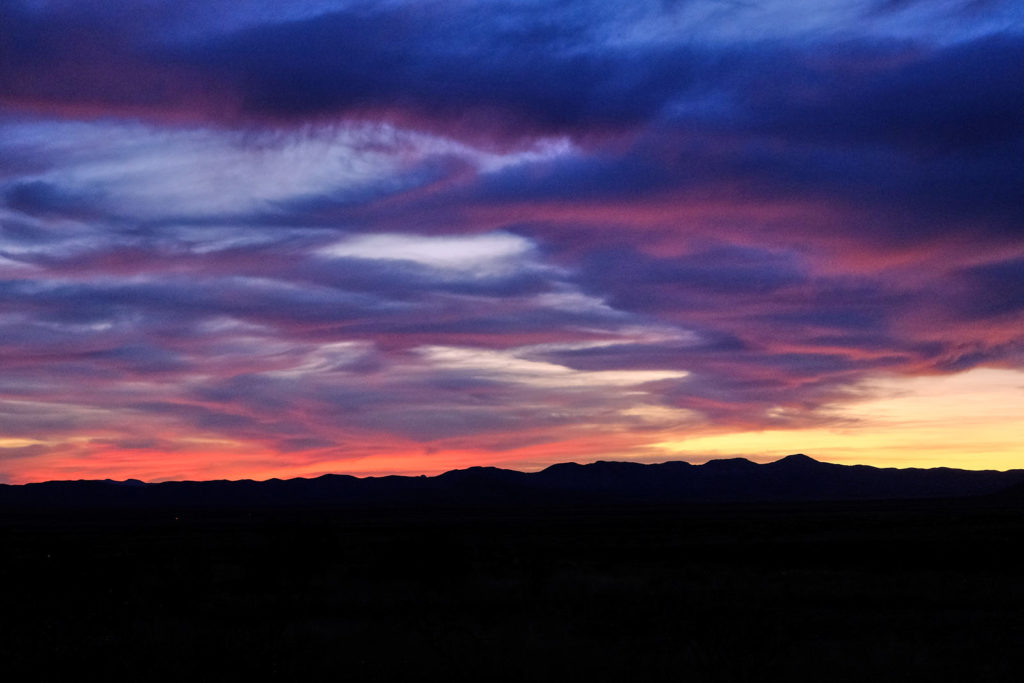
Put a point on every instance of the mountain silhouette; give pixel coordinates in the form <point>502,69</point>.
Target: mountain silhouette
<point>798,462</point>
<point>795,478</point>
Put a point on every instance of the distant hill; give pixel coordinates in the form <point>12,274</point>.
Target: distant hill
<point>795,478</point>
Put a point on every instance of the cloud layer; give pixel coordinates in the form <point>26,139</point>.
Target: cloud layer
<point>238,239</point>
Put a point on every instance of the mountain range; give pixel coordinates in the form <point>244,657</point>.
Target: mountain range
<point>795,478</point>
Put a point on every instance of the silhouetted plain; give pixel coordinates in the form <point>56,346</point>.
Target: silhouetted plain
<point>587,581</point>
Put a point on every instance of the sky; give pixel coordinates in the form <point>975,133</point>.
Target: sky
<point>252,239</point>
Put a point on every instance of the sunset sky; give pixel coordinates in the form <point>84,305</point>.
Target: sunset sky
<point>250,238</point>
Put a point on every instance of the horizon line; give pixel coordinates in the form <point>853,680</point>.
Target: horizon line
<point>136,481</point>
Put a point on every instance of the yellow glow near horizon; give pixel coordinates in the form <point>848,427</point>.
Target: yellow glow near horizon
<point>973,420</point>
<point>19,443</point>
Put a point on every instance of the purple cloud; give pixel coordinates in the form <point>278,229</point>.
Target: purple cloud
<point>287,237</point>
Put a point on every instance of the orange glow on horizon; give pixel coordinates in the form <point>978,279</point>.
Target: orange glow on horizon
<point>971,421</point>
<point>974,420</point>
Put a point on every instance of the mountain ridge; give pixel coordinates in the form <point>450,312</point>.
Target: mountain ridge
<point>795,478</point>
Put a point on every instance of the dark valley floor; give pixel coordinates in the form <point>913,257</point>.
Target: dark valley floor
<point>842,591</point>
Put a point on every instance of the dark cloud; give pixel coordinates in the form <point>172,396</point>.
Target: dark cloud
<point>41,198</point>
<point>449,67</point>
<point>302,229</point>
<point>992,289</point>
<point>63,57</point>
<point>637,282</point>
<point>25,232</point>
<point>451,62</point>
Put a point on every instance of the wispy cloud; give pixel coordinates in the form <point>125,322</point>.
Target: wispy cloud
<point>252,237</point>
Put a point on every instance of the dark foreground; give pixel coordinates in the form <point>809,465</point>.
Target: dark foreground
<point>852,591</point>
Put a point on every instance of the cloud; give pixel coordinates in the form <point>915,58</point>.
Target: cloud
<point>295,235</point>
<point>993,289</point>
<point>475,255</point>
